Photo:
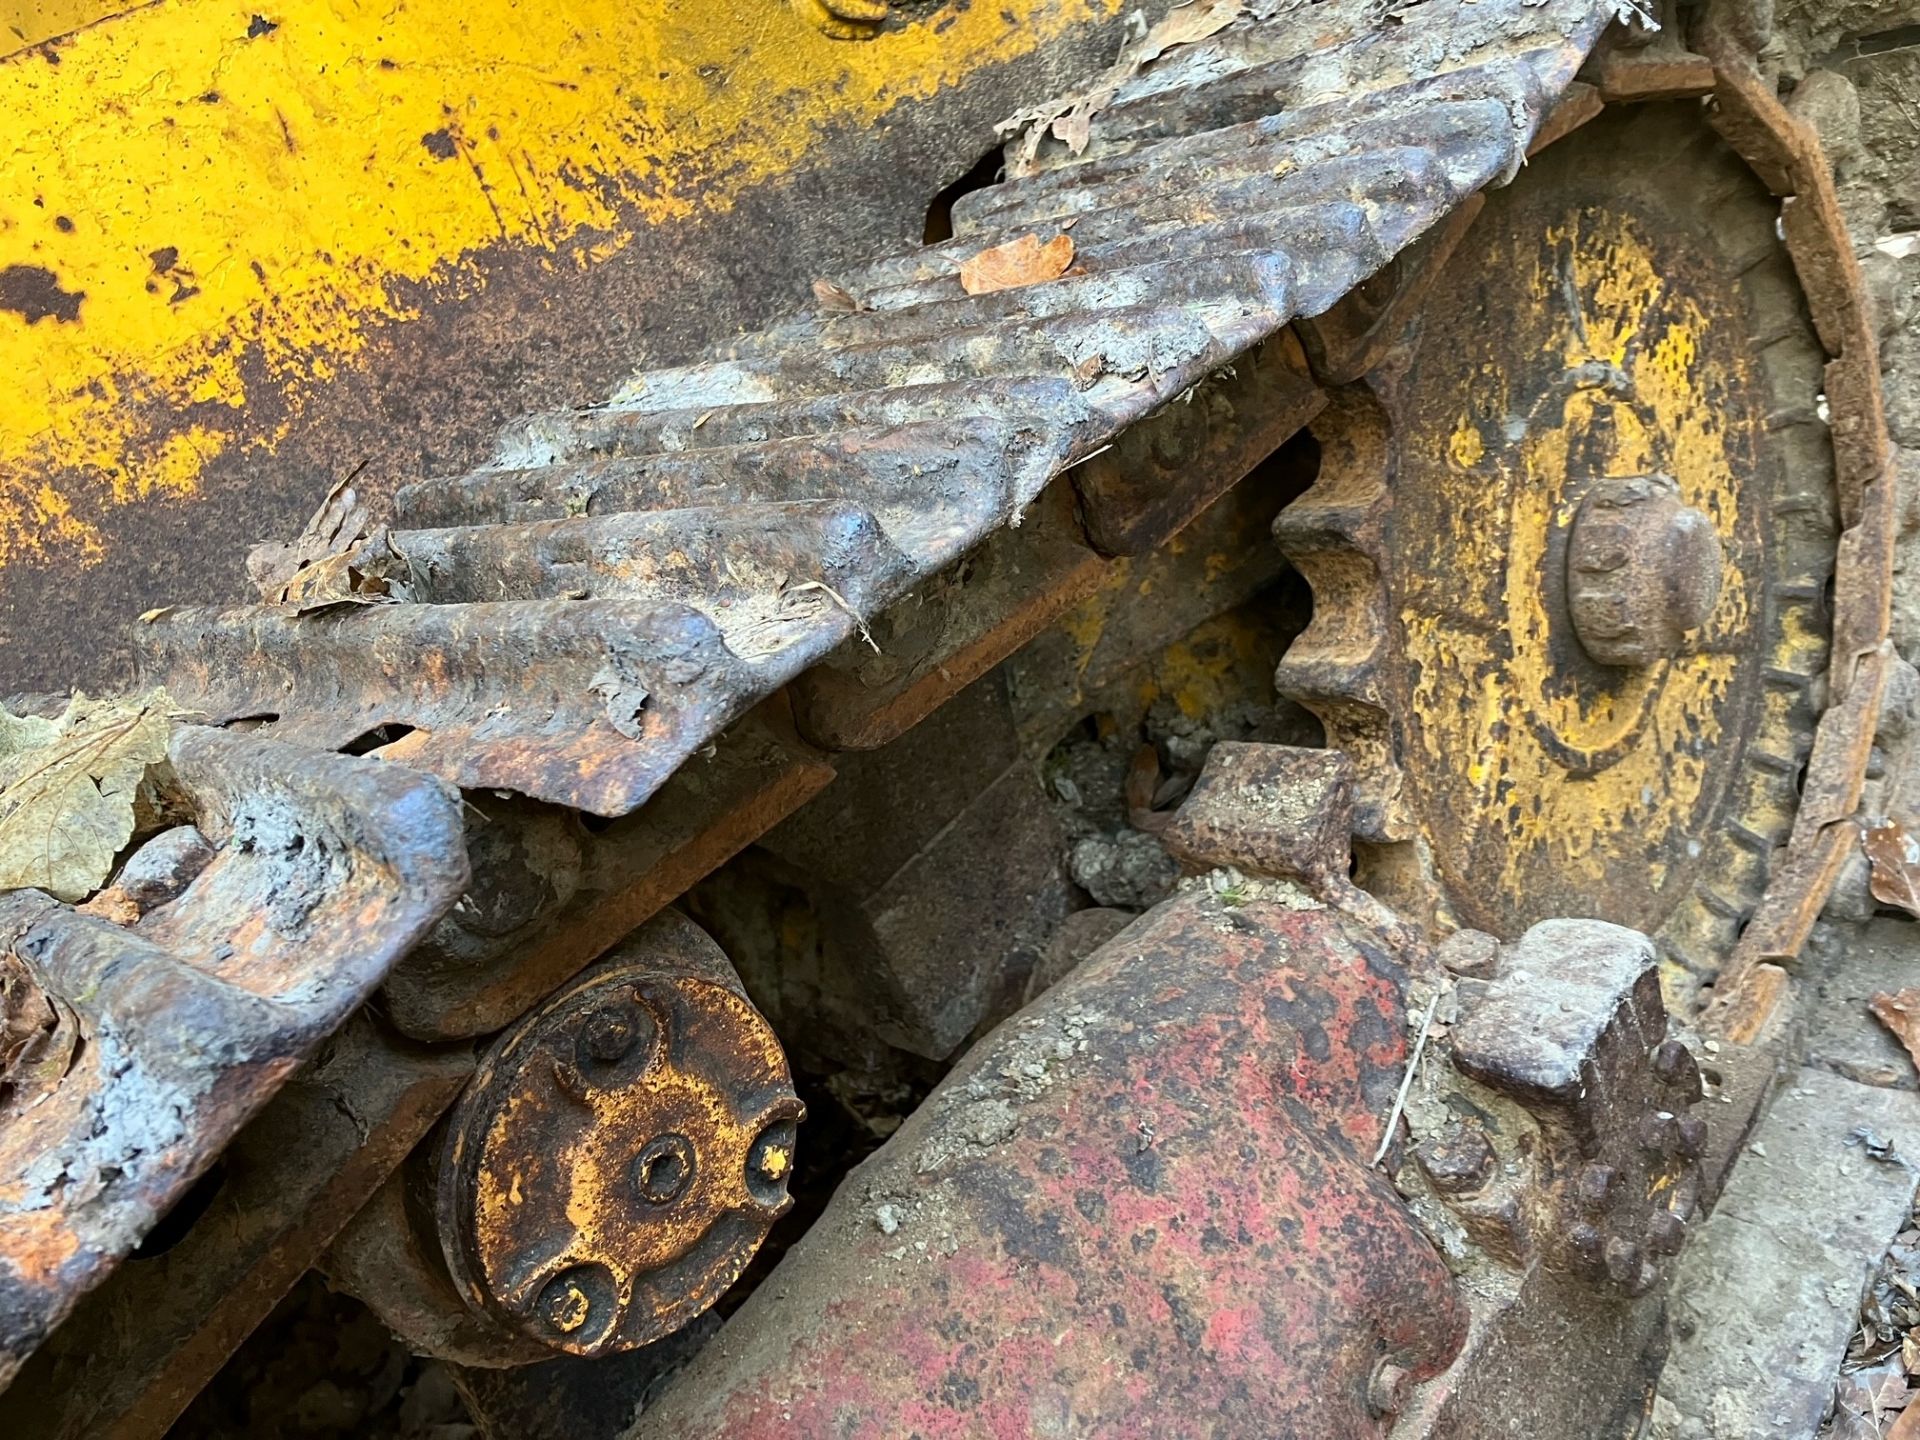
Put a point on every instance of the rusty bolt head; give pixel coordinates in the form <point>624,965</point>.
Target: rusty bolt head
<point>565,1305</point>
<point>770,1161</point>
<point>1690,1137</point>
<point>1665,1232</point>
<point>609,1034</point>
<point>1472,953</point>
<point>664,1170</point>
<point>1658,1133</point>
<point>1673,1064</point>
<point>1643,570</point>
<point>1587,1242</point>
<point>1458,1163</point>
<point>1623,1259</point>
<point>1593,1187</point>
<point>1387,1389</point>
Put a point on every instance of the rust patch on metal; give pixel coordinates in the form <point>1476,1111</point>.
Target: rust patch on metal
<point>1356,334</point>
<point>621,1152</point>
<point>935,643</point>
<point>556,894</point>
<point>1163,471</point>
<point>326,869</point>
<point>136,1351</point>
<point>1787,155</point>
<point>1143,1199</point>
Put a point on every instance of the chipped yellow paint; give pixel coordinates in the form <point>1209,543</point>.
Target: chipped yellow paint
<point>1545,766</point>
<point>202,201</point>
<point>28,22</point>
<point>1466,448</point>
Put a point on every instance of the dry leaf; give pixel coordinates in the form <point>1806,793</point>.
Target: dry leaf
<point>1907,1427</point>
<point>71,787</point>
<point>1889,1392</point>
<point>1024,261</point>
<point>1899,1011</point>
<point>320,568</point>
<point>38,1031</point>
<point>1070,119</point>
<point>1184,24</point>
<point>1895,858</point>
<point>112,904</point>
<point>836,299</point>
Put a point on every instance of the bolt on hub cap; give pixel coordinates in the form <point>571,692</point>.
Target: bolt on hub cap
<point>1643,571</point>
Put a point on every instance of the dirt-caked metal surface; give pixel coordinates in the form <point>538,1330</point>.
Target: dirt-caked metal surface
<point>576,621</point>
<point>164,1036</point>
<point>1141,1207</point>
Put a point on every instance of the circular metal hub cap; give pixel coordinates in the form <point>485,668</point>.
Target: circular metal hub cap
<point>1599,527</point>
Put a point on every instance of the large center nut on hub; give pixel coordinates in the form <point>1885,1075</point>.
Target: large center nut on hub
<point>621,1152</point>
<point>1643,570</point>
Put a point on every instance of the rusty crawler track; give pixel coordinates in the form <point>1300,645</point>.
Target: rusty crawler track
<point>649,611</point>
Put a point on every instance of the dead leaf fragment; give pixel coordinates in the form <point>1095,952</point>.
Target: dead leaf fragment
<point>38,1031</point>
<point>1894,856</point>
<point>70,789</point>
<point>1070,119</point>
<point>112,904</point>
<point>836,299</point>
<point>1024,261</point>
<point>340,523</point>
<point>1184,24</point>
<point>1899,1011</point>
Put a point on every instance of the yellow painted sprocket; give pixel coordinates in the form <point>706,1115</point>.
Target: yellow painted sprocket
<point>1624,314</point>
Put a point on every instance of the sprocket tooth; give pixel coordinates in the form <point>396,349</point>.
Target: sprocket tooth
<point>1334,668</point>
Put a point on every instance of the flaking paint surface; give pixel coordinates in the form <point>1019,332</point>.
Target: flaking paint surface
<point>204,200</point>
<point>1542,772</point>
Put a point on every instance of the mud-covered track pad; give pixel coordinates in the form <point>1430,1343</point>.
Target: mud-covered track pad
<point>158,1040</point>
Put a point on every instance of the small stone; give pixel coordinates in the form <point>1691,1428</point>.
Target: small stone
<point>887,1218</point>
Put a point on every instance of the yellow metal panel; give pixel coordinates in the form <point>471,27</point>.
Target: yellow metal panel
<point>203,200</point>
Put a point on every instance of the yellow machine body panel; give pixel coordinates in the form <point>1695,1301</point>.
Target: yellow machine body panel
<point>213,212</point>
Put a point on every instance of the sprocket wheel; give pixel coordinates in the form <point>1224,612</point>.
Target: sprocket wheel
<point>1553,681</point>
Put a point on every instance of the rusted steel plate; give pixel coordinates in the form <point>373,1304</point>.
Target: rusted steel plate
<point>588,703</point>
<point>414,268</point>
<point>550,895</point>
<point>325,869</point>
<point>723,485</point>
<point>138,1349</point>
<point>1140,1207</point>
<point>1165,470</point>
<point>934,876</point>
<point>949,632</point>
<point>1786,154</point>
<point>1354,336</point>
